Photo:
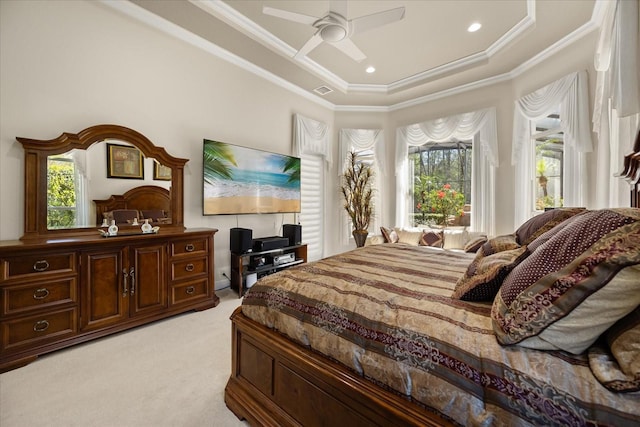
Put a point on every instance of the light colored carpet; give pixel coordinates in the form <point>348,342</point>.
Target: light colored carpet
<point>169,373</point>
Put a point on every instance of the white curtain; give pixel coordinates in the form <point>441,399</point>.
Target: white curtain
<point>311,137</point>
<point>571,94</point>
<point>479,126</point>
<point>359,140</point>
<point>616,110</point>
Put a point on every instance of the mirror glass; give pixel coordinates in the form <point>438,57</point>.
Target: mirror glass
<point>77,178</point>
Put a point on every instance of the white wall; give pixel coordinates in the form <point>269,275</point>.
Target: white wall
<point>69,65</point>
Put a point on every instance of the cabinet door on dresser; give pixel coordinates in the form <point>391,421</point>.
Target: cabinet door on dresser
<point>147,279</point>
<point>105,299</point>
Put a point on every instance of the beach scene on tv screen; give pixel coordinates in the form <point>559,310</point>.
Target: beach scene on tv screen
<point>240,180</point>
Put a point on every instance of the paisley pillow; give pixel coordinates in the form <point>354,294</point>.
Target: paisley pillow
<point>536,303</point>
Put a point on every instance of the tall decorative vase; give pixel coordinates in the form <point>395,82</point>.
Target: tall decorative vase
<point>360,237</point>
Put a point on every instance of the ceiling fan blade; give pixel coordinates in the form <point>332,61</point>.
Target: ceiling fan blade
<point>364,23</point>
<point>311,44</point>
<point>349,48</point>
<point>339,7</point>
<point>289,16</point>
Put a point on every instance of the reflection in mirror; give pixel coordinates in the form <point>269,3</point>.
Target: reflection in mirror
<point>66,178</point>
<point>77,178</point>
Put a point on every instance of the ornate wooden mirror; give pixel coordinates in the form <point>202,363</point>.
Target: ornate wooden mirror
<point>42,155</point>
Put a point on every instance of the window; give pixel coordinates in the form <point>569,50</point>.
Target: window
<point>61,192</point>
<point>441,176</point>
<point>312,206</point>
<point>548,157</point>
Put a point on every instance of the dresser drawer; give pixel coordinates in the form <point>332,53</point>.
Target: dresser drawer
<point>188,268</point>
<point>192,246</point>
<point>31,296</point>
<point>38,329</point>
<point>186,292</point>
<point>38,264</point>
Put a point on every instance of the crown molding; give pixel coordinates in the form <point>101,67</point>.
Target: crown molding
<point>161,24</point>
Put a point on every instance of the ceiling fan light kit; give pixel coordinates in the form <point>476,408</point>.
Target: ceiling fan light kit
<point>335,29</point>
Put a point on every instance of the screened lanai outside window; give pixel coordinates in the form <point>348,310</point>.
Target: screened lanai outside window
<point>548,143</point>
<point>441,177</point>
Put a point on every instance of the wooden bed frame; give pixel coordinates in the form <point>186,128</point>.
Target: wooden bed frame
<point>145,197</point>
<point>275,382</point>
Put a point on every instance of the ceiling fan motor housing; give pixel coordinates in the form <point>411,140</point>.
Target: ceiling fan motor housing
<point>332,27</point>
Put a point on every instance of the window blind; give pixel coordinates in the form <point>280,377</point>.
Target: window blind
<point>312,206</point>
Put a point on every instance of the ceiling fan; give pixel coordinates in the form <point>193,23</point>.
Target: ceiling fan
<point>335,29</point>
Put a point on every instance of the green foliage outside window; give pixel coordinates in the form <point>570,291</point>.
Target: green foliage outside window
<point>61,194</point>
<point>441,182</point>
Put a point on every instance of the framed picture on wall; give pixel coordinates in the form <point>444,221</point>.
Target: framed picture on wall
<point>124,161</point>
<point>161,172</point>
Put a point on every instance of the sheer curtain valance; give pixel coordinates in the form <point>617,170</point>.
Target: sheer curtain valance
<point>479,126</point>
<point>363,139</point>
<point>570,93</point>
<point>311,137</point>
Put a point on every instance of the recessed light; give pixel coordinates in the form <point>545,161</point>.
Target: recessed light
<point>474,27</point>
<point>371,69</point>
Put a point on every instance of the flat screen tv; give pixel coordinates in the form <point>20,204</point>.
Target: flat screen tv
<point>240,180</point>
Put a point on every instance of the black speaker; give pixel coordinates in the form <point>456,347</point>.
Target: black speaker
<point>293,232</point>
<point>240,240</point>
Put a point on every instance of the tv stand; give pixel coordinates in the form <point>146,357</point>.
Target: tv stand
<point>262,263</point>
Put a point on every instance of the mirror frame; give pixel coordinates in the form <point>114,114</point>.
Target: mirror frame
<point>37,151</point>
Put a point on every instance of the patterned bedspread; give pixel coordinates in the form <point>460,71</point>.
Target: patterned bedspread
<point>385,312</point>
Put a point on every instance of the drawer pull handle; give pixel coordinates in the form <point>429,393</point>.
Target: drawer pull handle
<point>41,265</point>
<point>41,293</point>
<point>41,326</point>
<point>189,267</point>
<point>190,290</point>
<point>189,247</point>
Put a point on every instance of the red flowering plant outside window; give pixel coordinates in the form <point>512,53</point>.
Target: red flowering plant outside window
<point>442,204</point>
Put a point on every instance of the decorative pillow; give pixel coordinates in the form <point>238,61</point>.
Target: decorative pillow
<point>455,238</point>
<point>544,222</point>
<point>124,216</point>
<point>618,367</point>
<point>475,243</point>
<point>432,238</point>
<point>153,215</point>
<point>573,269</point>
<point>409,237</point>
<point>374,240</point>
<point>485,274</point>
<point>499,244</point>
<point>390,235</point>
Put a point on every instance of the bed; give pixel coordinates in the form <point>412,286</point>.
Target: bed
<point>402,335</point>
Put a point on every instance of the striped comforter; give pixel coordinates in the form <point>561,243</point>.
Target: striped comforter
<point>385,312</point>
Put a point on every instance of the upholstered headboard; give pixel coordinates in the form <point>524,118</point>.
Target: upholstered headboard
<point>143,198</point>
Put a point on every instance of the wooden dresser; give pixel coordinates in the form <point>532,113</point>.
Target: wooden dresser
<point>57,292</point>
